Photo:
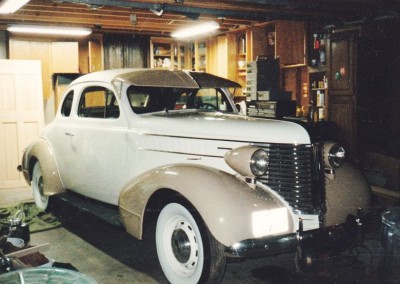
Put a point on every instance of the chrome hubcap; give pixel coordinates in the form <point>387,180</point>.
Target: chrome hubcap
<point>40,185</point>
<point>184,245</point>
<point>180,246</point>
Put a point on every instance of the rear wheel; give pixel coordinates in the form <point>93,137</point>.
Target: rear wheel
<point>41,201</point>
<point>187,251</point>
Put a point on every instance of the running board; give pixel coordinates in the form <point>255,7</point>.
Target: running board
<point>103,211</point>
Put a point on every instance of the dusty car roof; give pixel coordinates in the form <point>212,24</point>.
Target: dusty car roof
<point>159,78</point>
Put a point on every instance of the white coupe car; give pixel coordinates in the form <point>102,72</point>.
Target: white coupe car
<point>171,143</point>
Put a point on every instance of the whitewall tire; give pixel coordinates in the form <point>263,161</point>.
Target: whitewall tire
<point>41,201</point>
<point>187,252</point>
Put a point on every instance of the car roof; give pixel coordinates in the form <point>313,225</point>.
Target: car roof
<point>159,78</point>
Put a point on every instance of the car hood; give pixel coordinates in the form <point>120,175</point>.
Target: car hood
<point>219,126</point>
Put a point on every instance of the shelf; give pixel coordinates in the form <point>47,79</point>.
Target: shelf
<point>318,69</point>
<point>293,66</point>
<point>319,89</point>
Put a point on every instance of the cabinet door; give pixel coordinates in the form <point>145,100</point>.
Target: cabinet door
<point>290,42</point>
<point>341,83</point>
<point>341,52</point>
<point>65,57</point>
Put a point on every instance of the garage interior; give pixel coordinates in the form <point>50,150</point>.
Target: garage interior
<point>338,66</point>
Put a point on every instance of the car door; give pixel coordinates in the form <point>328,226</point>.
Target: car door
<point>98,145</point>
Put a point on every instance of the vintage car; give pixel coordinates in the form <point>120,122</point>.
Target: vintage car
<point>223,185</point>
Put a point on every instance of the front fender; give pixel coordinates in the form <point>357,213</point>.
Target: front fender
<point>347,192</point>
<point>41,151</point>
<point>225,203</point>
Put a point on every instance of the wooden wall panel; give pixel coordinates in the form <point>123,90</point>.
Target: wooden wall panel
<point>95,56</point>
<point>64,57</point>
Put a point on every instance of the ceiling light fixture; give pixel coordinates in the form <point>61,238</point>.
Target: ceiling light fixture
<point>10,6</point>
<point>49,30</point>
<point>200,29</point>
<point>158,9</point>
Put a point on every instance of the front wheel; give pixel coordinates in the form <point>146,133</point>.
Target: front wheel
<point>41,201</point>
<point>187,251</point>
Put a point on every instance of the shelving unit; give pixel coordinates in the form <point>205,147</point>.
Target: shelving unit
<point>318,79</point>
<point>318,87</point>
<point>200,56</point>
<point>161,53</point>
<point>169,54</point>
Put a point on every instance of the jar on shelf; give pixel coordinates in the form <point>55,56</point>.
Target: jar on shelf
<point>316,41</point>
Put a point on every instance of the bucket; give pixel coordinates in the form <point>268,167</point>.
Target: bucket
<point>45,275</point>
<point>390,241</point>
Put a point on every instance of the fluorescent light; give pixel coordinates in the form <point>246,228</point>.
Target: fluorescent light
<point>10,6</point>
<point>49,30</point>
<point>196,30</point>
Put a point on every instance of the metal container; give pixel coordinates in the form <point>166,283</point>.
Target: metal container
<point>390,241</point>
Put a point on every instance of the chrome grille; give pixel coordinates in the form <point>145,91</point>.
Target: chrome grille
<point>290,174</point>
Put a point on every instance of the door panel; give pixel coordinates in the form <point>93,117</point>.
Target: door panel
<point>21,115</point>
<point>341,58</point>
<point>342,85</point>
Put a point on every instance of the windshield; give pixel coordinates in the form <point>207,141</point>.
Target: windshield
<point>152,99</point>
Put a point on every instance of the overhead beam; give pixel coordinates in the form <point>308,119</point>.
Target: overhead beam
<point>187,10</point>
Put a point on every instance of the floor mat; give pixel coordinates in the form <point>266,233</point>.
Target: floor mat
<point>38,220</point>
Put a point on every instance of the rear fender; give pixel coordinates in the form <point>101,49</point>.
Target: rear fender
<point>42,152</point>
<point>225,202</point>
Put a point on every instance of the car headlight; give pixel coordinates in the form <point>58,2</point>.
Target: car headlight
<point>334,155</point>
<point>248,161</point>
<point>270,222</point>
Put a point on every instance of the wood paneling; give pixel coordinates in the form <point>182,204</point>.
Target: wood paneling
<point>95,56</point>
<point>33,50</point>
<point>64,57</point>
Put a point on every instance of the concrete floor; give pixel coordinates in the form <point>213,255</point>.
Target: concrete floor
<point>109,255</point>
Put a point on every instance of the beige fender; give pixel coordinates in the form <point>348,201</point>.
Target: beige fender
<point>42,152</point>
<point>225,202</point>
<point>347,192</point>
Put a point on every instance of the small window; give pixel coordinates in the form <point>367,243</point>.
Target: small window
<point>98,102</point>
<point>67,104</point>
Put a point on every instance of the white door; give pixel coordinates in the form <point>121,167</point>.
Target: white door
<point>21,115</point>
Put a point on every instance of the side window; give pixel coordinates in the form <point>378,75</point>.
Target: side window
<point>67,104</point>
<point>98,102</point>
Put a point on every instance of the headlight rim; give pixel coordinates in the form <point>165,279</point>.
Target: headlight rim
<point>334,155</point>
<point>261,153</point>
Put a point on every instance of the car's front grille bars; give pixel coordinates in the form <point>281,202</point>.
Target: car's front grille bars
<point>290,174</point>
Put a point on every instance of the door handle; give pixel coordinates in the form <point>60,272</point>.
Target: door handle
<point>69,134</point>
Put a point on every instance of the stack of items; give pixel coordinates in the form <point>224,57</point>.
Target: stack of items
<point>262,91</point>
<point>262,80</point>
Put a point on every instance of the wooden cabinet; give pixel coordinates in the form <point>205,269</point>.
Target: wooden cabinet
<point>280,39</point>
<point>200,55</point>
<point>161,53</point>
<point>168,54</point>
<point>341,51</point>
<point>64,57</point>
<point>290,43</point>
<point>318,92</point>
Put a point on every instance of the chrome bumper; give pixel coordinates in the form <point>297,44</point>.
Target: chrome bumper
<point>333,239</point>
